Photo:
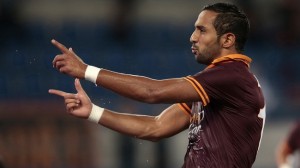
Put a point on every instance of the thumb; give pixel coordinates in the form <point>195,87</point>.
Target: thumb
<point>78,86</point>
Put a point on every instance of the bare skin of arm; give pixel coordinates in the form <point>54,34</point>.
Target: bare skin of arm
<point>132,86</point>
<point>170,122</point>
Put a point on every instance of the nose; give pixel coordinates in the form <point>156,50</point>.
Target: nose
<point>193,37</point>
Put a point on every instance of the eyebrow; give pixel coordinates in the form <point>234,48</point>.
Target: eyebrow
<point>200,27</point>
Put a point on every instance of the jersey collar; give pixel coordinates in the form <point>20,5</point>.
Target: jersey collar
<point>231,57</point>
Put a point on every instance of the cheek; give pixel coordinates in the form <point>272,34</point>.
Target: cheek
<point>210,42</point>
<point>203,44</point>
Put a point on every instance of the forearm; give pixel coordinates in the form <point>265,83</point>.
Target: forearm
<point>139,88</point>
<point>168,123</point>
<point>139,126</point>
<point>142,88</point>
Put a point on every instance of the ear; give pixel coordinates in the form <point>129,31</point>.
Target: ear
<point>227,40</point>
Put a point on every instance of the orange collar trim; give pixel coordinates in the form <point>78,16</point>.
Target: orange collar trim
<point>231,57</point>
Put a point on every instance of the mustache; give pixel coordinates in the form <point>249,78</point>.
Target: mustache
<point>194,47</point>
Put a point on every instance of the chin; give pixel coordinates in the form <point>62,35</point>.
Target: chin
<point>202,61</point>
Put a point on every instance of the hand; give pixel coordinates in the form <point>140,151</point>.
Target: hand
<point>79,104</point>
<point>68,62</point>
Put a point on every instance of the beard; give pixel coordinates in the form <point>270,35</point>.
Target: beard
<point>208,54</point>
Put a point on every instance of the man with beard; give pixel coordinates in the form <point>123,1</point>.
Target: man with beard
<point>222,106</point>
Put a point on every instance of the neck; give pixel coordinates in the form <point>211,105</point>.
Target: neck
<point>225,52</point>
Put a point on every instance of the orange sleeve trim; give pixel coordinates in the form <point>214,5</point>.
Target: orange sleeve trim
<point>185,109</point>
<point>199,90</point>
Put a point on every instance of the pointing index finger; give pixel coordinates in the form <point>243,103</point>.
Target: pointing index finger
<point>60,46</point>
<point>57,92</point>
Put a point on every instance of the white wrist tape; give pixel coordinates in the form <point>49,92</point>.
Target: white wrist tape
<point>91,73</point>
<point>95,114</point>
<point>284,166</point>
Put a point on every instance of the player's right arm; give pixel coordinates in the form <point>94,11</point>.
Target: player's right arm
<point>170,122</point>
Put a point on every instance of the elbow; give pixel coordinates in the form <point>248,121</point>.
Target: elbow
<point>152,138</point>
<point>155,137</point>
<point>153,133</point>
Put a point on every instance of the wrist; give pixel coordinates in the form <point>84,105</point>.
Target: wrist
<point>95,114</point>
<point>91,73</point>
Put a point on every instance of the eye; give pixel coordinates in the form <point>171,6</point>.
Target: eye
<point>202,29</point>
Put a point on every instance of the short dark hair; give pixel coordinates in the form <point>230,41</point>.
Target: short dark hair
<point>231,19</point>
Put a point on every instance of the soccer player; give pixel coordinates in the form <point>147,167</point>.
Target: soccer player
<point>290,146</point>
<point>222,106</point>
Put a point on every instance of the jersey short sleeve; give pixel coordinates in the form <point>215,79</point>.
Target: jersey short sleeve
<point>227,83</point>
<point>212,83</point>
<point>186,108</point>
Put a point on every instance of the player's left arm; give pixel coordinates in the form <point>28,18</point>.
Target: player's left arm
<point>136,87</point>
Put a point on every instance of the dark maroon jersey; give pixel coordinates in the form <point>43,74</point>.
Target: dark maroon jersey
<point>227,124</point>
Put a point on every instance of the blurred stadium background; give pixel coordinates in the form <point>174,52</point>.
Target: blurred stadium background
<point>142,37</point>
